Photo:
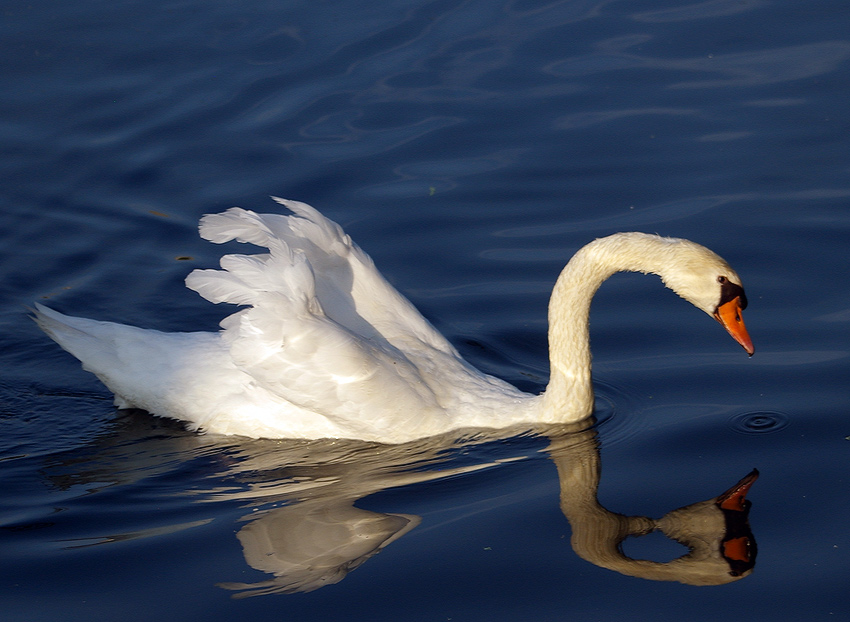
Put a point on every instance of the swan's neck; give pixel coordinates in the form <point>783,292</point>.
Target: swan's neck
<point>569,395</point>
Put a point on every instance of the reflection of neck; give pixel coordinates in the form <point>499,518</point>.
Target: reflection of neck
<point>597,533</point>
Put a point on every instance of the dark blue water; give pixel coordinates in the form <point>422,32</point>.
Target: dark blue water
<point>470,148</point>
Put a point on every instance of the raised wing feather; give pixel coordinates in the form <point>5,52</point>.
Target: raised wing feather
<point>338,345</point>
<point>350,289</point>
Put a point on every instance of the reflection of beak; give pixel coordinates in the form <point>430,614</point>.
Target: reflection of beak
<point>729,314</point>
<point>738,546</point>
<point>733,499</point>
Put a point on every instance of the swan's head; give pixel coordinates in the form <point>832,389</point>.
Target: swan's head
<point>709,283</point>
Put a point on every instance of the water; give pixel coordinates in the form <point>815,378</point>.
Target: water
<point>470,148</point>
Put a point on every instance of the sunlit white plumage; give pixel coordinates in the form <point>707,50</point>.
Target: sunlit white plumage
<point>327,348</point>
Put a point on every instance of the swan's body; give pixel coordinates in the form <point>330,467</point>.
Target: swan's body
<point>328,348</point>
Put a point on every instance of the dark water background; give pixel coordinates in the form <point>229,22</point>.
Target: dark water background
<point>470,147</point>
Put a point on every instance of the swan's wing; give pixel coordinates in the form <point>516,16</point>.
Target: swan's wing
<point>316,350</point>
<point>349,288</point>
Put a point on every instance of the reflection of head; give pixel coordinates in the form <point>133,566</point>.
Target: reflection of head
<point>721,546</point>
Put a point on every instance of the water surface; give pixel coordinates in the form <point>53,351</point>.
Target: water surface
<point>470,148</point>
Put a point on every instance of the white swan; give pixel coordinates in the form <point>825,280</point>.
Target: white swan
<point>328,348</point>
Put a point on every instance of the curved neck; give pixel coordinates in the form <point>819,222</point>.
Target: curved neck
<point>569,395</point>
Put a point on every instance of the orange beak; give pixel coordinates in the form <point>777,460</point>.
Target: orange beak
<point>729,314</point>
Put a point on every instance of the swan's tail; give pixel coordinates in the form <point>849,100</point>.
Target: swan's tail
<point>143,368</point>
<point>88,340</point>
<point>94,343</point>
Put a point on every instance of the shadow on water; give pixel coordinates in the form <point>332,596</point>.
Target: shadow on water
<point>304,530</point>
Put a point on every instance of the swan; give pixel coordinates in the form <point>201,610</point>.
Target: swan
<point>326,348</point>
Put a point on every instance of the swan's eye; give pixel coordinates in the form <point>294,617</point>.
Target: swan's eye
<point>721,279</point>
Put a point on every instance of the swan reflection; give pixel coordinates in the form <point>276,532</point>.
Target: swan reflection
<point>319,536</point>
<point>300,524</point>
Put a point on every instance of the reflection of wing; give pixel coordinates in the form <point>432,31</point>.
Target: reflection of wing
<point>320,537</point>
<point>309,545</point>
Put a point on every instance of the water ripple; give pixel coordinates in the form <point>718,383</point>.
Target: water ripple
<point>618,413</point>
<point>759,422</point>
<point>769,66</point>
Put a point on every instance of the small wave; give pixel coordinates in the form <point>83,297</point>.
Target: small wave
<point>617,413</point>
<point>759,422</point>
